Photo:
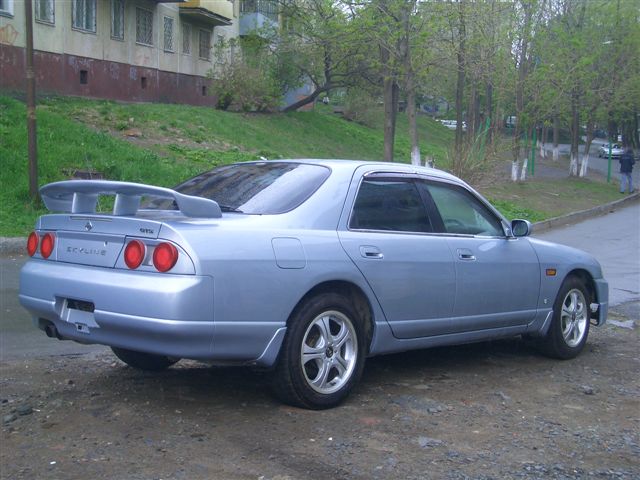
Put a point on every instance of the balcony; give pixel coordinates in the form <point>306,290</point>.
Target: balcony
<point>257,14</point>
<point>212,12</point>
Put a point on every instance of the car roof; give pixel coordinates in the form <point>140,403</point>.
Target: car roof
<point>344,165</point>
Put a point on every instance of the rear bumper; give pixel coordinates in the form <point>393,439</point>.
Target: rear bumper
<point>156,313</point>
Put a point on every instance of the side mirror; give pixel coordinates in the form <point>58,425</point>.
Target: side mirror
<point>521,228</point>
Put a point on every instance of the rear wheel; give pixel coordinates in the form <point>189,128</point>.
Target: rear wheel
<point>322,356</point>
<point>569,328</point>
<point>144,361</point>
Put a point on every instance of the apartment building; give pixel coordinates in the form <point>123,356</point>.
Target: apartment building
<point>130,50</point>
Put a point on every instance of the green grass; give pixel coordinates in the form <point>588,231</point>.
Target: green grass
<point>177,142</point>
<point>537,199</point>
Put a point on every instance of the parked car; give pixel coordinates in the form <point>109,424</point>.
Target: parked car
<point>616,150</point>
<point>453,124</point>
<point>303,267</point>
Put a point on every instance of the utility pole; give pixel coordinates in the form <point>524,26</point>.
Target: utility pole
<point>31,104</point>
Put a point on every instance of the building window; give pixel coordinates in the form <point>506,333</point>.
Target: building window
<point>186,39</point>
<point>168,34</point>
<point>205,44</point>
<point>45,11</point>
<point>143,82</point>
<point>219,48</point>
<point>6,8</point>
<point>84,77</point>
<point>84,15</point>
<point>117,19</point>
<point>144,26</point>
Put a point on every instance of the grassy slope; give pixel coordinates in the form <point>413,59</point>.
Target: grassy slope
<point>177,142</point>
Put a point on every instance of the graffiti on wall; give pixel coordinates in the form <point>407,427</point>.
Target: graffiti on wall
<point>8,34</point>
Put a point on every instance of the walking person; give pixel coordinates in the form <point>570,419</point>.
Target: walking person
<point>626,167</point>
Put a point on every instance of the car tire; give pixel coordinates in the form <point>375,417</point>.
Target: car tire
<point>569,327</point>
<point>330,332</point>
<point>144,361</point>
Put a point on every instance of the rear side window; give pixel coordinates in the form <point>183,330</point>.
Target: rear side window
<point>267,188</point>
<point>392,204</point>
<point>462,213</point>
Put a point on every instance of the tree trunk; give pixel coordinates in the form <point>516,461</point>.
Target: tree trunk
<point>584,164</point>
<point>457,160</point>
<point>413,126</point>
<point>575,133</point>
<point>390,110</point>
<point>490,111</point>
<point>556,137</point>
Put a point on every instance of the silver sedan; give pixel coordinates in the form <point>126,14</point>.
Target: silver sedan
<point>303,267</point>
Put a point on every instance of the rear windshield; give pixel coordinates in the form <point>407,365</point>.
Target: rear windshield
<point>254,188</point>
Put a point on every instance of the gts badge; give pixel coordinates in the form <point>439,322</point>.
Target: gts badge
<point>146,230</point>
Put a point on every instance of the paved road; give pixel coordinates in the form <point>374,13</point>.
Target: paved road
<point>613,239</point>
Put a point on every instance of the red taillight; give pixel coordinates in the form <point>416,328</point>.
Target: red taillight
<point>165,257</point>
<point>46,247</point>
<point>32,243</point>
<point>134,253</point>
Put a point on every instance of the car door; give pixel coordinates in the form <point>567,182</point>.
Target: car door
<point>497,276</point>
<point>389,236</point>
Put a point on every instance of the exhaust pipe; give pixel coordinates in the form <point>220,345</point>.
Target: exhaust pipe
<point>51,331</point>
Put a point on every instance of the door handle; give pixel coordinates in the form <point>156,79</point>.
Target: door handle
<point>466,255</point>
<point>369,251</point>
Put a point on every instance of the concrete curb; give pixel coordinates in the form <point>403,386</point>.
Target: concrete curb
<point>17,245</point>
<point>575,217</point>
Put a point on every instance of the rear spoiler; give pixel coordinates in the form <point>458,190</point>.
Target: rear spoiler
<point>81,196</point>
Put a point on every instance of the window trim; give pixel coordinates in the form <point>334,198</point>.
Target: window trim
<point>142,9</point>
<point>186,27</point>
<point>210,33</point>
<point>112,16</point>
<point>95,17</point>
<point>172,48</point>
<point>430,206</point>
<point>51,22</point>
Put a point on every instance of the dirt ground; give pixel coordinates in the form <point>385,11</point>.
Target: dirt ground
<point>486,411</point>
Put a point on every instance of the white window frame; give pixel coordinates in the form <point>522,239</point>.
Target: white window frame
<point>6,10</point>
<point>168,21</point>
<point>51,11</point>
<point>138,41</point>
<point>200,32</point>
<point>188,36</point>
<point>82,26</point>
<point>117,11</point>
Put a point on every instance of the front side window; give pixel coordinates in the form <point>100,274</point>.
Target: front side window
<point>45,11</point>
<point>205,45</point>
<point>390,204</point>
<point>144,26</point>
<point>117,19</point>
<point>84,15</point>
<point>462,213</point>
<point>168,34</point>
<point>267,188</point>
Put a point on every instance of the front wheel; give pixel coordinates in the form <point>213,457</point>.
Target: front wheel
<point>144,361</point>
<point>569,328</point>
<point>322,356</point>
